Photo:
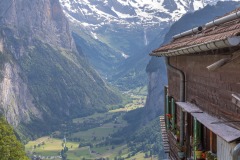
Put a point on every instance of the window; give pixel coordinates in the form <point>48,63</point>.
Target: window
<point>173,114</point>
<point>208,140</point>
<point>213,142</point>
<point>168,111</point>
<point>171,110</point>
<point>201,138</point>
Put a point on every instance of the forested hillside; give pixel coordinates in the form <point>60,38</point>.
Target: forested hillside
<point>10,147</point>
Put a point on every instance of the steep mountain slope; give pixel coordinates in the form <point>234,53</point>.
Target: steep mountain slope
<point>120,33</point>
<point>156,68</point>
<point>43,76</point>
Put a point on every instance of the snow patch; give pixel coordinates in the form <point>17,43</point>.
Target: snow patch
<point>1,46</point>
<point>121,15</point>
<point>198,5</point>
<point>124,2</point>
<point>145,38</point>
<point>94,35</point>
<point>124,55</point>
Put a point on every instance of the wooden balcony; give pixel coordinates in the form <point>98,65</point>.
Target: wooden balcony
<point>164,135</point>
<point>173,145</point>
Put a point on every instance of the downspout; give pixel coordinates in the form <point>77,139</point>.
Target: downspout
<point>236,152</point>
<point>182,96</point>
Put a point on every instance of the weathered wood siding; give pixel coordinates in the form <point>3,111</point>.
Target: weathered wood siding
<point>224,149</point>
<point>210,90</point>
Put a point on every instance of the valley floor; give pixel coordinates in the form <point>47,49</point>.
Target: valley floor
<point>91,137</point>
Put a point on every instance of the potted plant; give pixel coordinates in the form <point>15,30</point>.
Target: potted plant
<point>211,156</point>
<point>181,155</point>
<point>204,155</point>
<point>198,148</point>
<point>198,154</point>
<point>181,152</point>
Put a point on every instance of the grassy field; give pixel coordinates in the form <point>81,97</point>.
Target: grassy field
<point>94,117</point>
<point>140,156</point>
<point>95,133</point>
<point>47,146</point>
<point>79,153</point>
<point>108,123</point>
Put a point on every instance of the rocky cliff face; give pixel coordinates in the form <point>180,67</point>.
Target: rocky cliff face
<point>155,96</point>
<point>156,68</point>
<point>43,76</point>
<point>26,20</point>
<point>156,71</point>
<point>42,19</point>
<point>16,100</point>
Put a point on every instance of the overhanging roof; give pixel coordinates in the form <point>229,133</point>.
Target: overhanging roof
<point>214,124</point>
<point>224,42</point>
<point>213,37</point>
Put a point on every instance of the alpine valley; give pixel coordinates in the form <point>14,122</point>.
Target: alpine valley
<point>76,78</point>
<point>117,35</point>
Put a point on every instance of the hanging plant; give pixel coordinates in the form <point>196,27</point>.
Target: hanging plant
<point>169,116</point>
<point>211,156</point>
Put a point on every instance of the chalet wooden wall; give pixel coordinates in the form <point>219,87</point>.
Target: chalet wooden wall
<point>210,90</point>
<point>224,149</point>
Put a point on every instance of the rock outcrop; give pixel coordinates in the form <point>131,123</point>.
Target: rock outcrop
<point>42,19</point>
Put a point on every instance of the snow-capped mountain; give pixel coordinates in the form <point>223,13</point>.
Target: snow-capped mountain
<point>115,34</point>
<point>95,13</point>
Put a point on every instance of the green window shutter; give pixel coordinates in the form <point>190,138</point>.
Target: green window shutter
<point>173,109</point>
<point>167,111</point>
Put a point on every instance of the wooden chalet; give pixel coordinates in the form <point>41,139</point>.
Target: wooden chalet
<point>202,107</point>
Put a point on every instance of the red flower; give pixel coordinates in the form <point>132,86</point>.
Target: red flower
<point>169,116</point>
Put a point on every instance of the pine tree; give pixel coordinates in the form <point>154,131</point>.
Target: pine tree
<point>10,147</point>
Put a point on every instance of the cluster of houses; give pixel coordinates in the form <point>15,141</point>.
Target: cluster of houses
<point>202,104</point>
<point>39,157</point>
